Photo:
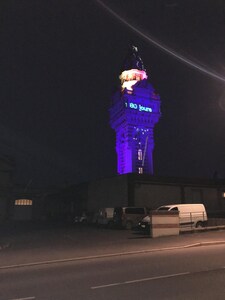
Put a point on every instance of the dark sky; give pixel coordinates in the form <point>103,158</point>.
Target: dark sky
<point>60,62</point>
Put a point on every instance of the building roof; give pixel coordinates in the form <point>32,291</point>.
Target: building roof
<point>133,60</point>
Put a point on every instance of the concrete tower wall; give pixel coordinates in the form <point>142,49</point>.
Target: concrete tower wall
<point>134,112</point>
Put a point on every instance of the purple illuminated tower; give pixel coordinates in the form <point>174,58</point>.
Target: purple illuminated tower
<point>134,111</point>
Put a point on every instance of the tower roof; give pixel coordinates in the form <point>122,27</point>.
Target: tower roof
<point>133,60</point>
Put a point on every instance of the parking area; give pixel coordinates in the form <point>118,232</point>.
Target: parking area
<point>28,243</point>
<point>36,234</point>
<point>32,235</point>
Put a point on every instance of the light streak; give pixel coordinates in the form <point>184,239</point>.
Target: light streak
<point>159,45</point>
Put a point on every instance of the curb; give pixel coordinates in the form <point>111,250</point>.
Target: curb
<point>203,229</point>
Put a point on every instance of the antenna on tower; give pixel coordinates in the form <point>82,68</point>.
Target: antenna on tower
<point>145,149</point>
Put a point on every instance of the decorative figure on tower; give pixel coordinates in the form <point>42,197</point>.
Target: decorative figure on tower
<point>134,111</point>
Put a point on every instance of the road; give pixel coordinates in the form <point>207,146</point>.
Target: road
<point>186,273</point>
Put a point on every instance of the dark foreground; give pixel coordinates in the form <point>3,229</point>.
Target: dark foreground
<point>65,262</point>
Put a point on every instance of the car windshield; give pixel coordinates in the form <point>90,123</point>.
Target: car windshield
<point>164,208</point>
<point>118,211</point>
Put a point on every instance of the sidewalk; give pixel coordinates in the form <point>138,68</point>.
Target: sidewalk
<point>47,246</point>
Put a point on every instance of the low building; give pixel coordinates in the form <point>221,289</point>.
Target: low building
<point>6,185</point>
<point>152,191</point>
<point>124,190</point>
<point>30,203</point>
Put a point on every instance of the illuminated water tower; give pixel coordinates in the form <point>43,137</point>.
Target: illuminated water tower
<point>134,111</point>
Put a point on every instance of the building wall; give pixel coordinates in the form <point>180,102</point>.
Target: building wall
<point>207,196</point>
<point>6,171</point>
<point>3,208</point>
<point>63,204</point>
<point>154,195</point>
<point>135,190</point>
<point>108,192</point>
<point>123,190</point>
<point>221,197</point>
<point>22,213</point>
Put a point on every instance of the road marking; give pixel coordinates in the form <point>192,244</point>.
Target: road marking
<point>139,280</point>
<point>27,298</point>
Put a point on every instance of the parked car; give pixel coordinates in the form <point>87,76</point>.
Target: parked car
<point>83,218</point>
<point>190,215</point>
<point>128,217</point>
<point>105,216</point>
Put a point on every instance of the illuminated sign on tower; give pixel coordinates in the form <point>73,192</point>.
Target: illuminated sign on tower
<point>134,111</point>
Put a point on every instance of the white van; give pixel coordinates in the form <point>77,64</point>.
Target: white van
<point>190,215</point>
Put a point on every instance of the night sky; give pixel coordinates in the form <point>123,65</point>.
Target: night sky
<point>60,62</point>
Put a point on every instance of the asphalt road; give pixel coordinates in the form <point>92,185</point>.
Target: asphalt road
<point>185,273</point>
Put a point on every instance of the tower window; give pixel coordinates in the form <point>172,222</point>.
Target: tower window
<point>140,170</point>
<point>140,157</point>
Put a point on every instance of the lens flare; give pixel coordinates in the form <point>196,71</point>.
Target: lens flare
<point>162,47</point>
